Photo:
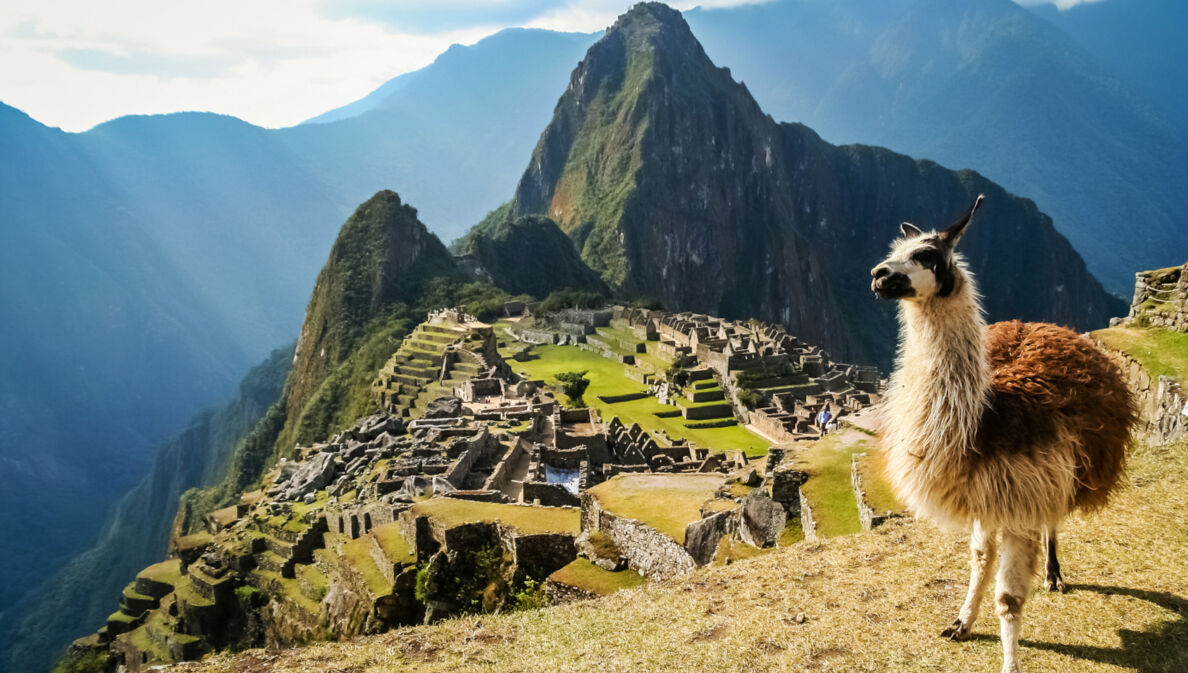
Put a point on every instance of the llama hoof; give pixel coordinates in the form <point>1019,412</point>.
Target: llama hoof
<point>1056,584</point>
<point>958,631</point>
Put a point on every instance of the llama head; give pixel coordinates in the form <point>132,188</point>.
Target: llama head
<point>923,265</point>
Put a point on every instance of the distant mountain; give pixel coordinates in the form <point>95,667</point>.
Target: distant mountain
<point>676,186</point>
<point>137,532</point>
<point>981,84</point>
<point>1140,40</point>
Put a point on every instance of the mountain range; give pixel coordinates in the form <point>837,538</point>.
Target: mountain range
<point>172,252</point>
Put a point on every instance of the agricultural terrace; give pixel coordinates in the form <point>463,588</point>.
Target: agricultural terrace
<point>1161,352</point>
<point>608,378</point>
<point>666,502</point>
<point>829,488</point>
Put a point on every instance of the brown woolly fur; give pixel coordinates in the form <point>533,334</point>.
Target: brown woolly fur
<point>1045,376</point>
<point>1004,429</point>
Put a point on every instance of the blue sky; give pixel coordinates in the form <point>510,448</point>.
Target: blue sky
<point>76,63</point>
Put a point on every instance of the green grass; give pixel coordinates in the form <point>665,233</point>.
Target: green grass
<point>358,553</point>
<point>1161,352</point>
<point>291,590</point>
<point>185,591</point>
<point>120,616</point>
<point>585,575</point>
<point>879,495</point>
<point>393,544</point>
<point>313,577</point>
<point>792,534</point>
<point>165,572</point>
<point>608,378</point>
<point>529,520</point>
<point>829,489</point>
<point>666,502</point>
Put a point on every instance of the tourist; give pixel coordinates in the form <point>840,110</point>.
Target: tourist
<point>823,419</point>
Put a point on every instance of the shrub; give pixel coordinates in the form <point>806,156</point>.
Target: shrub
<point>531,596</point>
<point>750,398</point>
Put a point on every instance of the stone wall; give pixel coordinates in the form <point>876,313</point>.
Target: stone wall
<point>1161,299</point>
<point>866,514</point>
<point>807,522</point>
<point>549,495</point>
<point>1161,403</point>
<point>648,551</point>
<point>501,475</point>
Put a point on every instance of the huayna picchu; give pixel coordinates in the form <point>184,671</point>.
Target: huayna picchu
<point>658,356</point>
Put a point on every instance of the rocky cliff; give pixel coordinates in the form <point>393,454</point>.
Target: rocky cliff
<point>525,255</point>
<point>676,186</point>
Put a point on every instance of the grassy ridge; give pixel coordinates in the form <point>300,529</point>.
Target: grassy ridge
<point>1161,352</point>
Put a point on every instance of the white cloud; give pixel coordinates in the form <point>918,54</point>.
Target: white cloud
<point>271,62</point>
<point>1060,4</point>
<point>76,63</point>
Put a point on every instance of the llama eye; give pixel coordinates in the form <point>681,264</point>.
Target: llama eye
<point>925,258</point>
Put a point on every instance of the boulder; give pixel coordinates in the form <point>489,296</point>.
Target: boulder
<point>761,520</point>
<point>601,550</point>
<point>444,407</point>
<point>703,536</point>
<point>313,475</point>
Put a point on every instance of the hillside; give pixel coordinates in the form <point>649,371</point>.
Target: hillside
<point>665,172</point>
<point>863,602</point>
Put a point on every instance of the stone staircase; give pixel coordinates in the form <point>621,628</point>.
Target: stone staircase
<point>417,366</point>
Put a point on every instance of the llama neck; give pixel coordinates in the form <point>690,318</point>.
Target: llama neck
<point>940,386</point>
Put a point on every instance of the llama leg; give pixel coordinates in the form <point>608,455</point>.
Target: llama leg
<point>983,548</point>
<point>1053,580</point>
<point>1019,556</point>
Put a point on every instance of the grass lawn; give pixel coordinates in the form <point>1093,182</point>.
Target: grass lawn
<point>608,378</point>
<point>395,547</point>
<point>585,575</point>
<point>165,572</point>
<point>828,488</point>
<point>666,502</point>
<point>529,520</point>
<point>1161,352</point>
<point>358,553</point>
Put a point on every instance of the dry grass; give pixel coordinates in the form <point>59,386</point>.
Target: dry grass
<point>666,502</point>
<point>870,602</point>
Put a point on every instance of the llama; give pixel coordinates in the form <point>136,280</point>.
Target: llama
<point>1004,429</point>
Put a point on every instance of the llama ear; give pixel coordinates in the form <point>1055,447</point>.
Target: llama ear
<point>955,231</point>
<point>909,230</point>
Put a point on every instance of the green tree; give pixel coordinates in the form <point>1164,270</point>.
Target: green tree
<point>574,385</point>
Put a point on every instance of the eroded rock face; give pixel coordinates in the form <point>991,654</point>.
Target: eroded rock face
<point>761,520</point>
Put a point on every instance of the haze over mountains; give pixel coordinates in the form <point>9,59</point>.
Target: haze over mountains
<point>149,262</point>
